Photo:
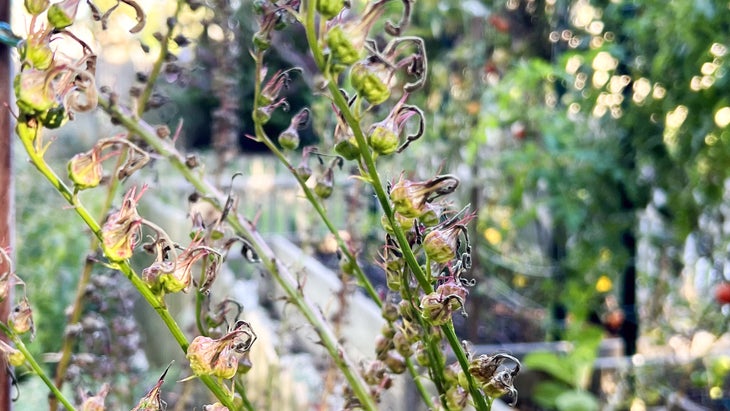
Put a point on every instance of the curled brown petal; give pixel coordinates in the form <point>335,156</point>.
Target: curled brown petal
<point>141,20</point>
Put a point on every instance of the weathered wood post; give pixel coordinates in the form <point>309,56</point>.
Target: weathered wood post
<point>6,187</point>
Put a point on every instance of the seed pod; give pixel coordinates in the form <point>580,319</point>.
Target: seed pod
<point>85,169</point>
<point>289,139</point>
<point>402,345</point>
<point>395,363</point>
<point>61,15</point>
<point>33,95</point>
<point>20,319</point>
<point>304,171</point>
<point>325,184</point>
<point>370,82</point>
<point>382,140</point>
<point>440,246</point>
<point>348,149</point>
<point>36,7</point>
<point>37,55</point>
<point>422,354</point>
<point>342,49</point>
<point>389,312</point>
<point>330,8</point>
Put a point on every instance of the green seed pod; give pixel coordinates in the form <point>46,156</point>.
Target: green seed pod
<point>330,8</point>
<point>39,56</point>
<point>366,81</point>
<point>289,139</point>
<point>431,216</point>
<point>383,140</point>
<point>342,49</point>
<point>325,184</point>
<point>304,171</point>
<point>36,7</point>
<point>405,202</point>
<point>262,115</point>
<point>61,15</point>
<point>392,280</point>
<point>348,149</point>
<point>33,97</point>
<point>436,309</point>
<point>85,169</point>
<point>440,246</point>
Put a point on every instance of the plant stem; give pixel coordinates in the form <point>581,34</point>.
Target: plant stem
<point>75,316</point>
<point>372,173</point>
<point>36,367</point>
<point>246,229</point>
<point>152,299</point>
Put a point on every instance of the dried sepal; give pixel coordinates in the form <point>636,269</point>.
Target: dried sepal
<point>95,402</point>
<point>120,232</point>
<point>20,319</point>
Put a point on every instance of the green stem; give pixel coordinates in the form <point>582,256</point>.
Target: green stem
<point>372,173</point>
<point>36,367</point>
<point>153,300</point>
<point>75,316</point>
<point>311,196</point>
<point>246,229</point>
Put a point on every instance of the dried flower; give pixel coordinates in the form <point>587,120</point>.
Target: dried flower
<point>20,319</point>
<point>441,244</point>
<point>32,92</point>
<point>85,169</point>
<point>438,306</point>
<point>165,276</point>
<point>120,232</point>
<point>494,379</point>
<point>219,357</point>
<point>271,90</point>
<point>95,402</point>
<point>410,198</point>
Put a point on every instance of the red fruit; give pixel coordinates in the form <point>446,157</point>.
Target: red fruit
<point>722,293</point>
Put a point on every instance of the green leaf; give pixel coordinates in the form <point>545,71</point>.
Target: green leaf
<point>552,364</point>
<point>576,400</point>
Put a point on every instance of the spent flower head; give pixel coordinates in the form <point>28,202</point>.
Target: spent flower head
<point>120,232</point>
<point>95,402</point>
<point>20,318</point>
<point>219,357</point>
<point>384,136</point>
<point>494,378</point>
<point>172,276</point>
<point>411,197</point>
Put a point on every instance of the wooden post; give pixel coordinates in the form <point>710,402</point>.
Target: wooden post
<point>6,188</point>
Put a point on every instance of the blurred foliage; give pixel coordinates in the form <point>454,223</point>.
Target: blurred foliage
<point>580,122</point>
